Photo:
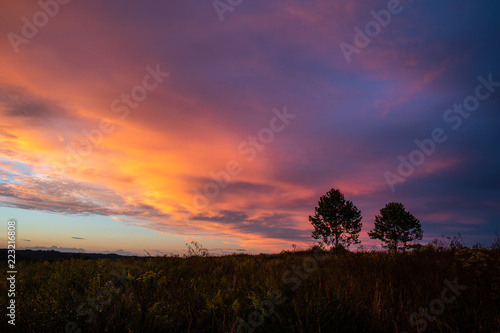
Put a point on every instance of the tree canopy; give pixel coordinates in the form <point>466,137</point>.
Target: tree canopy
<point>396,227</point>
<point>336,220</point>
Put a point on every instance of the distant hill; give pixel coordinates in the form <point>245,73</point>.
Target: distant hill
<point>56,255</point>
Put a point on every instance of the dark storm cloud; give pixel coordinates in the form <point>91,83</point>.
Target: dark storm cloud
<point>265,225</point>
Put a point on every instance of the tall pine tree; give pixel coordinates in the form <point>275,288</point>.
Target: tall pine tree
<point>336,221</point>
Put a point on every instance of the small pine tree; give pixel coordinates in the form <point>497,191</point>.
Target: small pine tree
<point>396,227</point>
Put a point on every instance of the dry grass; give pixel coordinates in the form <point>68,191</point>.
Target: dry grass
<point>347,292</point>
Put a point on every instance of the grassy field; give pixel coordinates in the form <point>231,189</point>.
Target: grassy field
<point>436,288</point>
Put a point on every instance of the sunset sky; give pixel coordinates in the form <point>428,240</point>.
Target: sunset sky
<point>116,116</point>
